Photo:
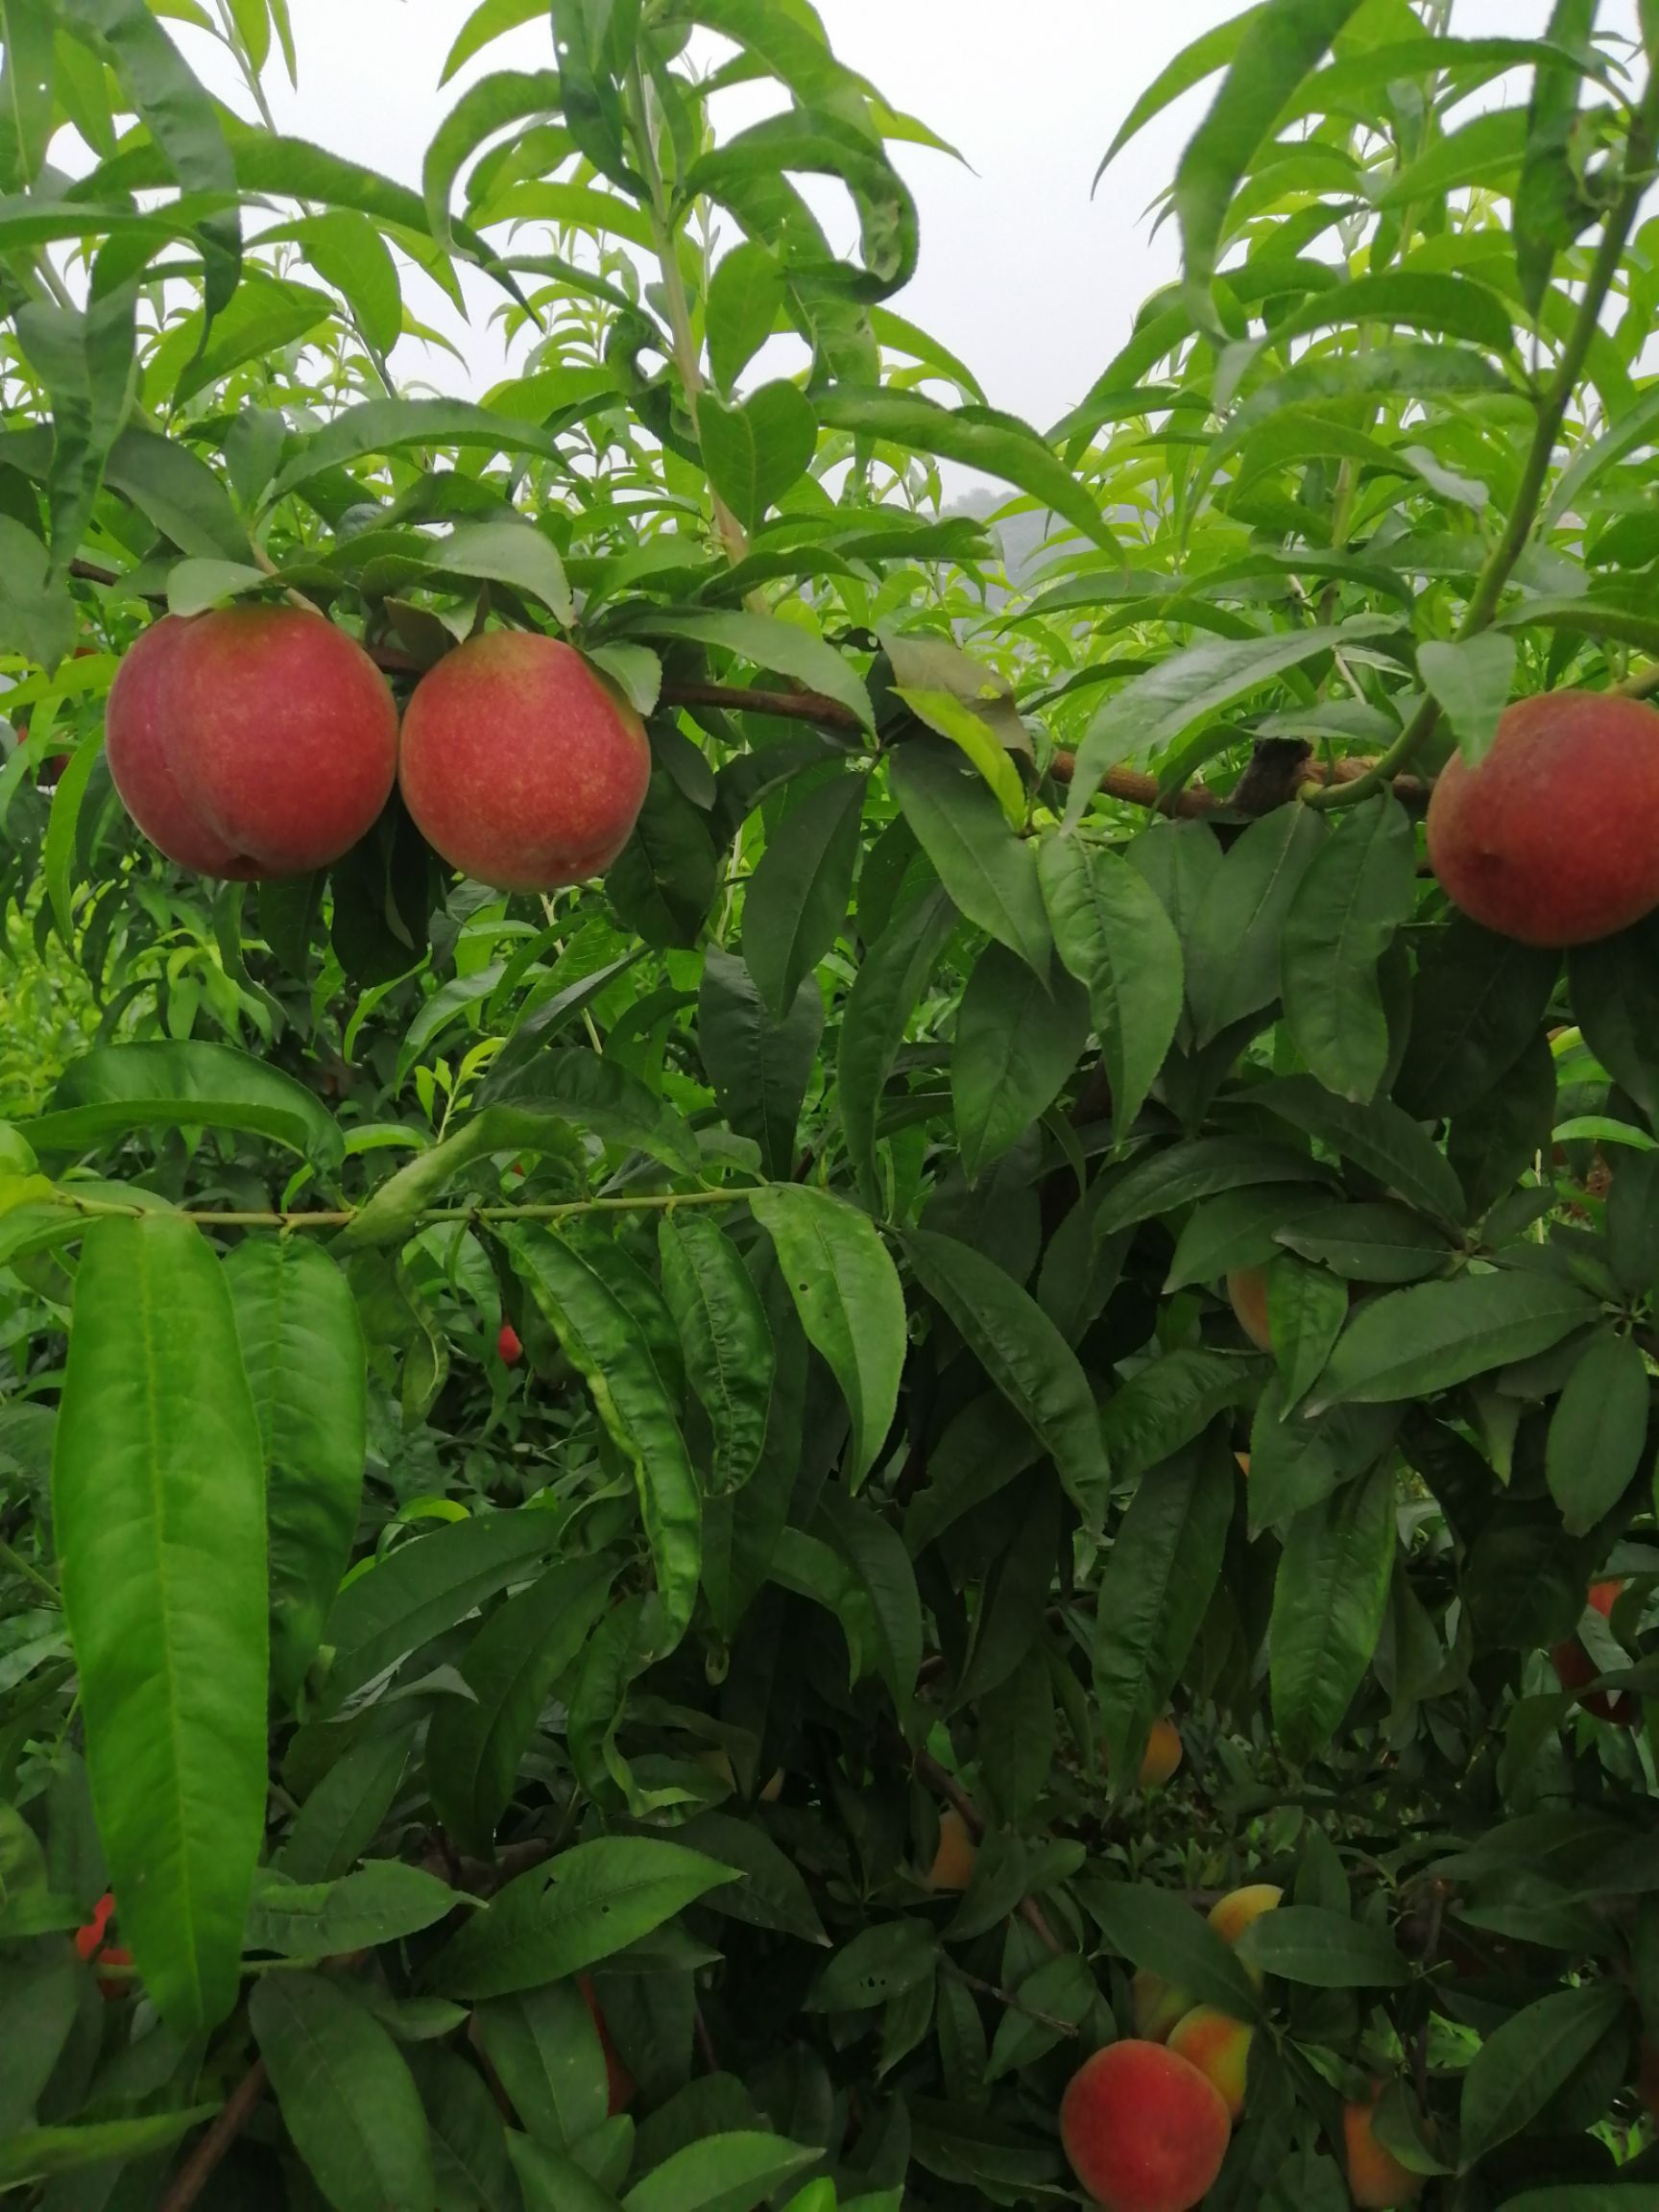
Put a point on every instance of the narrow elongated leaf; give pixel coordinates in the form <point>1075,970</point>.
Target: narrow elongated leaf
<point>1283,43</point>
<point>990,873</point>
<point>1615,986</point>
<point>1113,935</point>
<point>1522,2064</point>
<point>1236,949</point>
<point>1023,1354</point>
<point>1480,1000</point>
<point>425,1586</point>
<point>377,1904</point>
<point>1329,1599</point>
<point>1155,709</point>
<point>998,444</point>
<point>1013,1052</point>
<point>604,1345</point>
<point>474,1747</point>
<point>1213,51</point>
<point>1159,1577</point>
<point>879,1008</point>
<point>1417,1341</point>
<point>1471,677</point>
<point>544,2047</point>
<point>1352,895</point>
<point>1322,1949</point>
<point>163,1578</point>
<point>797,900</point>
<point>759,1068</point>
<point>36,2153</point>
<point>577,1909</point>
<point>1598,1431</point>
<point>1156,1929</point>
<point>730,2172</point>
<point>746,296</point>
<point>1377,1138</point>
<point>725,1337</point>
<point>164,1085</point>
<point>303,1353</point>
<point>755,451</point>
<point>1199,1167</point>
<point>345,2095</point>
<point>847,1295</point>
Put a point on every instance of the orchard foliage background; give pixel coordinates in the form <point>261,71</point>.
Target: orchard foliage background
<point>995,967</point>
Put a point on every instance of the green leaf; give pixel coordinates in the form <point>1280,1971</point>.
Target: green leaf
<point>303,1356</point>
<point>954,718</point>
<point>1373,1243</point>
<point>1377,1138</point>
<point>578,1087</point>
<point>1014,1051</point>
<point>746,297</point>
<point>760,1068</point>
<point>163,1581</point>
<point>37,610</point>
<point>1167,1403</point>
<point>36,2153</point>
<point>1156,1929</point>
<point>769,642</point>
<point>774,1893</point>
<point>1414,1342</point>
<point>1330,1596</point>
<point>165,1085</point>
<point>515,553</point>
<point>426,1585</point>
<point>755,451</point>
<point>1598,1431</point>
<point>980,437</point>
<point>730,2172</point>
<point>725,1337</point>
<point>796,902</point>
<point>61,836</point>
<point>1112,934</point>
<point>878,1963</point>
<point>1207,54</point>
<point>847,1293</point>
<point>474,1747</point>
<point>1352,895</point>
<point>1480,998</point>
<point>544,2047</point>
<point>1157,1585</point>
<point>1155,710</point>
<point>1322,1950</point>
<point>662,883</point>
<point>378,1904</point>
<point>1470,678</point>
<point>883,1575</point>
<point>603,1343</point>
<point>348,251</point>
<point>1023,1354</point>
<point>1615,988</point>
<point>990,873</point>
<point>1522,2063</point>
<point>890,981</point>
<point>387,426</point>
<point>1283,41</point>
<point>1236,949</point>
<point>345,2095</point>
<point>506,96</point>
<point>343,1813</point>
<point>1199,1167</point>
<point>1305,1309</point>
<point>586,1904</point>
<point>26,87</point>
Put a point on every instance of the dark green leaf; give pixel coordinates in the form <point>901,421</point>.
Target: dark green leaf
<point>725,1337</point>
<point>1598,1431</point>
<point>1416,1342</point>
<point>163,1085</point>
<point>760,1068</point>
<point>1352,895</point>
<point>1013,1052</point>
<point>797,900</point>
<point>878,1008</point>
<point>1521,2066</point>
<point>990,873</point>
<point>345,2095</point>
<point>1115,937</point>
<point>1329,1599</point>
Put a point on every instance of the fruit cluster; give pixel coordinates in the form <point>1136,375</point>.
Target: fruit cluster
<point>261,740</point>
<point>1146,2121</point>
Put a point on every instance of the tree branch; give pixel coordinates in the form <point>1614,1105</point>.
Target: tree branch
<point>233,2116</point>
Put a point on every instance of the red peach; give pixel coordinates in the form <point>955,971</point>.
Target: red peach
<point>1220,2047</point>
<point>507,1344</point>
<point>1554,839</point>
<point>1377,2181</point>
<point>519,765</point>
<point>1144,2130</point>
<point>252,741</point>
<point>620,2082</point>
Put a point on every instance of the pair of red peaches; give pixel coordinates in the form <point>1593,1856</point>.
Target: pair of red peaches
<point>261,740</point>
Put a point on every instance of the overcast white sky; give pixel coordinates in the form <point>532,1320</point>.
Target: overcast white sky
<point>1033,283</point>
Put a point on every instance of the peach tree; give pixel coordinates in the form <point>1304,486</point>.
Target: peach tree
<point>938,1492</point>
